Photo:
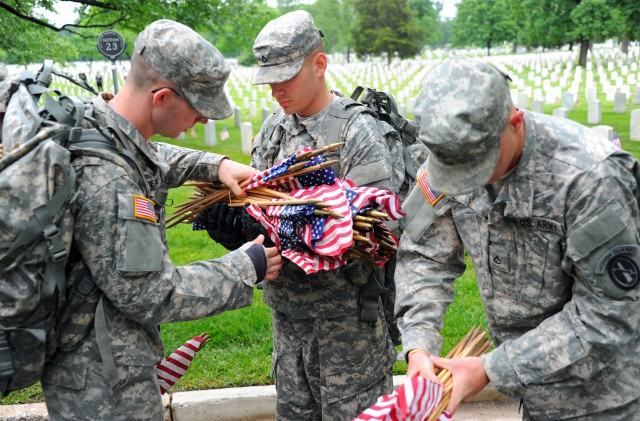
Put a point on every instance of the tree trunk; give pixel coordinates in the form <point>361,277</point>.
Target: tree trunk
<point>488,48</point>
<point>625,45</point>
<point>584,49</point>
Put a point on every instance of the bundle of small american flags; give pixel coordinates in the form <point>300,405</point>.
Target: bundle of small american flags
<point>316,220</point>
<point>415,400</point>
<point>170,369</point>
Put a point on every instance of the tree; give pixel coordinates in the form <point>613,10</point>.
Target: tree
<point>229,18</point>
<point>593,20</point>
<point>427,16</point>
<point>483,23</point>
<point>544,23</point>
<point>629,20</point>
<point>384,26</point>
<point>335,19</point>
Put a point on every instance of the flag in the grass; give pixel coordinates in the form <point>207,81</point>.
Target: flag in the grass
<point>224,134</point>
<point>414,400</point>
<point>173,367</point>
<point>616,140</point>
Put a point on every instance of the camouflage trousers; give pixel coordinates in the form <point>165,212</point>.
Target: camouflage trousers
<point>628,412</point>
<point>140,397</point>
<point>330,369</point>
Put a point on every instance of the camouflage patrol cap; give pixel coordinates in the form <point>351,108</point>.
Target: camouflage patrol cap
<point>183,57</point>
<point>282,45</point>
<point>462,109</point>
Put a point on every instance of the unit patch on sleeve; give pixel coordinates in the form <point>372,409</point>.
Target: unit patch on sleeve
<point>432,196</point>
<point>144,208</point>
<point>620,266</point>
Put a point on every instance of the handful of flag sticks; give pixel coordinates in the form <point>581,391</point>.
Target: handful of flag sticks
<point>418,399</point>
<point>316,220</point>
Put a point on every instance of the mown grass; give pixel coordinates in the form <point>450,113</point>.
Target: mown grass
<point>239,351</point>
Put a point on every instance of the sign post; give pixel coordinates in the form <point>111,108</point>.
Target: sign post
<point>111,45</point>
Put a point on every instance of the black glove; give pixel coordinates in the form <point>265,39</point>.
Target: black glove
<point>253,228</point>
<point>224,225</point>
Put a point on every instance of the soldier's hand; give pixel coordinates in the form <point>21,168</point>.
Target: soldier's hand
<point>469,378</point>
<point>232,173</point>
<point>420,363</point>
<point>224,225</point>
<point>274,260</point>
<point>253,228</point>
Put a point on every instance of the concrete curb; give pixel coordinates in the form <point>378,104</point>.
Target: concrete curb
<point>254,403</point>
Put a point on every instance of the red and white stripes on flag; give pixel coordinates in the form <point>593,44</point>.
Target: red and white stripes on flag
<point>173,367</point>
<point>414,400</point>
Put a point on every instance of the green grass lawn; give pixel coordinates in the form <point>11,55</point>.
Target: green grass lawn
<point>239,352</point>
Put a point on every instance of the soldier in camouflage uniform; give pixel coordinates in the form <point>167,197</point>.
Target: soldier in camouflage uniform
<point>328,363</point>
<point>176,80</point>
<point>548,212</point>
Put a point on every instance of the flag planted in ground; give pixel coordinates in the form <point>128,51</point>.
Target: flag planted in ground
<point>224,134</point>
<point>616,140</point>
<point>415,400</point>
<point>170,369</point>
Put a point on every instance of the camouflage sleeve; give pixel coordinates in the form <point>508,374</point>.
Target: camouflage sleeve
<point>430,259</point>
<point>119,239</point>
<point>188,164</point>
<point>594,330</point>
<point>364,158</point>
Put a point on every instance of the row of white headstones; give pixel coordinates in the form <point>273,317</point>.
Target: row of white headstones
<point>538,80</point>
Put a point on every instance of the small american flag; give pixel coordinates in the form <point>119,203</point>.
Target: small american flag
<point>224,134</point>
<point>280,170</point>
<point>143,208</point>
<point>414,400</point>
<point>170,369</point>
<point>364,198</point>
<point>616,140</point>
<point>432,196</point>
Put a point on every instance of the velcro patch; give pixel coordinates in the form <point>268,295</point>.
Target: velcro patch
<point>432,196</point>
<point>144,208</point>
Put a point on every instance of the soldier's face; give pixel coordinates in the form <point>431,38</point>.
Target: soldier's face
<point>174,114</point>
<point>301,93</point>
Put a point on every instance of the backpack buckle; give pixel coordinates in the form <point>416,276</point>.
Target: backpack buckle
<point>56,247</point>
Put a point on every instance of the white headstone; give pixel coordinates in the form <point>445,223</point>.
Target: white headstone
<point>210,133</point>
<point>253,109</point>
<point>560,112</point>
<point>265,113</point>
<point>594,115</point>
<point>605,131</point>
<point>180,136</point>
<point>634,133</point>
<point>636,95</point>
<point>523,100</point>
<point>567,100</point>
<point>620,103</point>
<point>237,117</point>
<point>538,106</point>
<point>246,134</point>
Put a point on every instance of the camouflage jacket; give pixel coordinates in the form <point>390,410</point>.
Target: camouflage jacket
<point>556,253</point>
<point>364,159</point>
<point>119,238</point>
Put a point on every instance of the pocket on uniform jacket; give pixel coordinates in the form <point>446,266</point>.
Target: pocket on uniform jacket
<point>140,247</point>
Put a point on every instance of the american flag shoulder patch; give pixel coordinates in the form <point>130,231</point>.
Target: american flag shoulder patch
<point>432,196</point>
<point>144,208</point>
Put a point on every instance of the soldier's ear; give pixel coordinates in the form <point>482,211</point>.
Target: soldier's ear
<point>320,62</point>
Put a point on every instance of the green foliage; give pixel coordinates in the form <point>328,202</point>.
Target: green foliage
<point>388,27</point>
<point>335,19</point>
<point>594,20</point>
<point>483,23</point>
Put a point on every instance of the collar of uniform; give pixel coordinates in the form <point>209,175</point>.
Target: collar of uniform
<point>143,146</point>
<point>520,185</point>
